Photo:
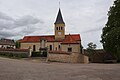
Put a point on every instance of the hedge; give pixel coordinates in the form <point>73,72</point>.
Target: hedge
<point>39,54</point>
<point>14,55</point>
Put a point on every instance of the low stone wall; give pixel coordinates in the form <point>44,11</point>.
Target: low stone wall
<point>67,57</point>
<point>15,51</point>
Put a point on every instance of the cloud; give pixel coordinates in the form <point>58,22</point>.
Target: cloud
<point>6,24</point>
<point>91,37</point>
<point>5,33</point>
<point>5,21</point>
<point>93,30</point>
<point>18,27</point>
<point>27,20</point>
<point>5,17</point>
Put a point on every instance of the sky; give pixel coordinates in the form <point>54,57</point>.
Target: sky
<point>19,18</point>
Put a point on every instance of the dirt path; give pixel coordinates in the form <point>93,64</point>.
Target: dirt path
<point>12,69</point>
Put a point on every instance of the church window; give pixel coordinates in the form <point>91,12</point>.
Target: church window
<point>69,49</point>
<point>59,28</point>
<point>50,47</point>
<point>56,28</point>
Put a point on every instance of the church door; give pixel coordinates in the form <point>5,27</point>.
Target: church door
<point>34,47</point>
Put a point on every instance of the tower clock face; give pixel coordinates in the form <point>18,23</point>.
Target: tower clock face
<point>59,33</point>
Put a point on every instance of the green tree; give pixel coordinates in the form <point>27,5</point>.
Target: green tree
<point>91,46</point>
<point>91,50</point>
<point>111,31</point>
<point>17,44</point>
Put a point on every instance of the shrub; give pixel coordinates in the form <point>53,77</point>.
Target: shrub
<point>39,54</point>
<point>45,54</point>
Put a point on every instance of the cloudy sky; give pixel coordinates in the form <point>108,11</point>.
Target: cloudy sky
<point>36,17</point>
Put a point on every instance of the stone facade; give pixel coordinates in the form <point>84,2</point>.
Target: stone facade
<point>74,47</point>
<point>30,45</point>
<point>59,31</point>
<point>68,57</point>
<point>56,46</point>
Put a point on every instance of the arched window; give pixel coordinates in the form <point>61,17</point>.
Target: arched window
<point>34,48</point>
<point>59,28</point>
<point>56,28</point>
<point>50,47</point>
<point>69,49</point>
<point>59,46</point>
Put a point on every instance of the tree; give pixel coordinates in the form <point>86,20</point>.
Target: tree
<point>91,50</point>
<point>111,31</point>
<point>17,44</point>
<point>91,46</point>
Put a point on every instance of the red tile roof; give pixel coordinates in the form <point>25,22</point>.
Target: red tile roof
<point>71,38</point>
<point>37,38</point>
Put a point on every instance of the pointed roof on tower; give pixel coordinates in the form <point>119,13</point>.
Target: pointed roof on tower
<point>59,18</point>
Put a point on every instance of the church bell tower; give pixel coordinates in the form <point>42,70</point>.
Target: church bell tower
<point>59,26</point>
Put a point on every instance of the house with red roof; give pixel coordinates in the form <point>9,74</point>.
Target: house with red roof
<point>57,42</point>
<point>7,43</point>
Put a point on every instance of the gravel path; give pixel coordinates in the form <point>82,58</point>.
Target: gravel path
<point>12,69</point>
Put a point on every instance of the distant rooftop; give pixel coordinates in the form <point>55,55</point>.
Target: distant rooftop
<point>4,41</point>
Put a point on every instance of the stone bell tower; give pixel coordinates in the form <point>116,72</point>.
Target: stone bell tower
<point>59,26</point>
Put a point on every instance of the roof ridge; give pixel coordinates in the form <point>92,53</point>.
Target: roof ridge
<point>38,35</point>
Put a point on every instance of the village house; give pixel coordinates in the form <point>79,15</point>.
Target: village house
<point>99,56</point>
<point>7,43</point>
<point>59,43</point>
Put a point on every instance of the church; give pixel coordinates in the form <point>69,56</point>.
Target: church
<point>61,47</point>
<point>60,41</point>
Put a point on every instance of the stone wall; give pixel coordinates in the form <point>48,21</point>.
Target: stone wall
<point>15,51</point>
<point>67,57</point>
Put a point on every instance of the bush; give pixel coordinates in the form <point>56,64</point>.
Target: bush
<point>36,54</point>
<point>39,54</point>
<point>45,53</point>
